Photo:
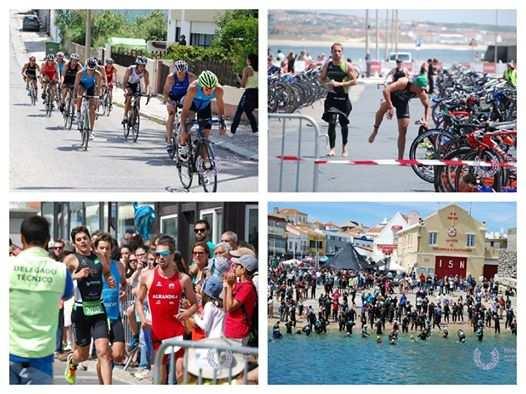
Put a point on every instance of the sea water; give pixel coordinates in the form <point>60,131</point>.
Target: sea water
<point>336,359</point>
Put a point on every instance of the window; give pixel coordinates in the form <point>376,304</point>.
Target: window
<point>62,220</point>
<point>251,224</point>
<point>433,238</point>
<point>214,217</point>
<point>200,39</point>
<point>169,226</point>
<point>48,213</point>
<point>76,215</point>
<point>470,241</point>
<point>93,216</point>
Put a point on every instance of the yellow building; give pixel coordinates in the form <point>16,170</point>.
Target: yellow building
<point>449,242</point>
<point>316,240</point>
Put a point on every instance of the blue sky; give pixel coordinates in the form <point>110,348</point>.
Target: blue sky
<point>498,216</point>
<point>506,17</point>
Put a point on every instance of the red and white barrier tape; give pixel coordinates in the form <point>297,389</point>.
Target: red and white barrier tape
<point>403,163</point>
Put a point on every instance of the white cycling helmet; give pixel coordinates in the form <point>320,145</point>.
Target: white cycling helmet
<point>75,56</point>
<point>181,66</point>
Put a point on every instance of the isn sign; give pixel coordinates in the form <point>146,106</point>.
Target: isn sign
<point>450,266</point>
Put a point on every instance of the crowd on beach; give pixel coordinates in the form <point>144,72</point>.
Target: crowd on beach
<point>377,303</point>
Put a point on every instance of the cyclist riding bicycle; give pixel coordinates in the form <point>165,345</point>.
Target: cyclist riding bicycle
<point>132,83</point>
<point>71,69</point>
<point>88,81</point>
<point>49,74</point>
<point>175,88</point>
<point>198,99</point>
<point>111,75</point>
<point>61,62</point>
<point>30,72</point>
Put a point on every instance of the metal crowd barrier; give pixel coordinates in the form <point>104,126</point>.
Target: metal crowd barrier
<point>318,136</point>
<point>186,345</point>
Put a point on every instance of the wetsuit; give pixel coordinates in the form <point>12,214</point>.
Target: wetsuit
<point>110,296</point>
<point>398,74</point>
<point>88,82</point>
<point>89,315</point>
<point>164,298</point>
<point>400,101</point>
<point>70,74</point>
<point>337,100</point>
<point>179,89</point>
<point>201,104</point>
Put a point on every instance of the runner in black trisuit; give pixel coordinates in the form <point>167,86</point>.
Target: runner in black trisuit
<point>88,316</point>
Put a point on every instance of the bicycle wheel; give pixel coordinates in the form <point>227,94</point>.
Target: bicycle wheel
<point>136,126</point>
<point>468,177</point>
<point>49,105</point>
<point>33,93</point>
<point>206,168</point>
<point>185,169</point>
<point>430,145</point>
<point>173,143</point>
<point>445,176</point>
<point>126,127</point>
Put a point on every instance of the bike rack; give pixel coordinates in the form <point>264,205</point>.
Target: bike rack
<point>318,136</point>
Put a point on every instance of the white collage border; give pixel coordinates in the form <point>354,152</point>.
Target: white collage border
<point>262,196</point>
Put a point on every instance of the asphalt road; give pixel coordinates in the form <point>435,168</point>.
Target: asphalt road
<point>346,178</point>
<point>45,157</point>
<point>83,377</point>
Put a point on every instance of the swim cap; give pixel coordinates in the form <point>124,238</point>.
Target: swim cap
<point>421,81</point>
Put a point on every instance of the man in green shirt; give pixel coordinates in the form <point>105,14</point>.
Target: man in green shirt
<point>36,284</point>
<point>510,74</point>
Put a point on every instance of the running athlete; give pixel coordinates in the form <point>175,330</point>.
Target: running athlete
<point>110,297</point>
<point>175,88</point>
<point>396,73</point>
<point>397,96</point>
<point>71,69</point>
<point>165,287</point>
<point>89,315</point>
<point>89,81</point>
<point>198,100</point>
<point>338,76</point>
<point>111,75</point>
<point>30,73</point>
<point>132,83</point>
<point>49,74</point>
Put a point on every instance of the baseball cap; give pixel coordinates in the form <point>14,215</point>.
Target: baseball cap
<point>213,287</point>
<point>242,251</point>
<point>250,263</point>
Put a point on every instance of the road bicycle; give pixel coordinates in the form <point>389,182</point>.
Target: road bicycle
<point>133,121</point>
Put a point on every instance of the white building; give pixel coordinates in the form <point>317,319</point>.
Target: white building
<point>297,242</point>
<point>385,241</point>
<point>198,26</point>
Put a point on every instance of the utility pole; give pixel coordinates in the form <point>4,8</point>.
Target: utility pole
<point>366,33</point>
<point>392,30</point>
<point>88,35</point>
<point>377,36</point>
<point>496,38</point>
<point>386,34</point>
<point>397,29</point>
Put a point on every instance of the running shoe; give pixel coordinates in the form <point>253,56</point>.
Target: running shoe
<point>70,374</point>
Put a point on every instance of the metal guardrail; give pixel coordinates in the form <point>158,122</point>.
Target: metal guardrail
<point>318,136</point>
<point>244,350</point>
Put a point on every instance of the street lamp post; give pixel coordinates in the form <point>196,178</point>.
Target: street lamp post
<point>88,35</point>
<point>377,36</point>
<point>366,33</point>
<point>496,57</point>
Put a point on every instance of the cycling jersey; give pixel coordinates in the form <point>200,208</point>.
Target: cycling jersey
<point>70,74</point>
<point>60,68</point>
<point>179,88</point>
<point>110,295</point>
<point>88,82</point>
<point>49,70</point>
<point>109,73</point>
<point>31,70</point>
<point>135,77</point>
<point>201,100</point>
<point>164,298</point>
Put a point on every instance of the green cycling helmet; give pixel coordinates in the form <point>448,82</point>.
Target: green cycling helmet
<point>207,79</point>
<point>421,81</point>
